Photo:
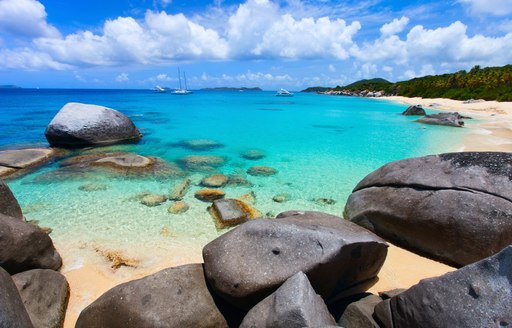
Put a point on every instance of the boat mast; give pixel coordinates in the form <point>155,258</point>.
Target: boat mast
<point>185,77</point>
<point>179,76</point>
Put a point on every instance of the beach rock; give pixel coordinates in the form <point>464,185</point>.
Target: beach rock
<point>174,297</point>
<point>202,163</point>
<point>6,171</point>
<point>446,119</point>
<point>153,200</point>
<point>294,304</point>
<point>125,161</point>
<point>215,181</point>
<point>200,144</point>
<point>454,207</point>
<point>414,110</point>
<point>178,207</point>
<point>23,246</point>
<point>230,212</point>
<point>12,311</point>
<point>359,314</point>
<point>238,180</point>
<point>93,187</point>
<point>24,158</point>
<point>249,197</point>
<point>477,295</point>
<point>281,198</point>
<point>45,294</point>
<point>180,190</point>
<point>248,263</point>
<point>8,204</point>
<point>253,154</point>
<point>263,171</point>
<point>82,125</point>
<point>209,195</point>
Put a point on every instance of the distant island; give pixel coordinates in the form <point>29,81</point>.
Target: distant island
<point>9,86</point>
<point>490,83</point>
<point>232,89</point>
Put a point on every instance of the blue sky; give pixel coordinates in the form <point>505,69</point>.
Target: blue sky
<point>266,43</point>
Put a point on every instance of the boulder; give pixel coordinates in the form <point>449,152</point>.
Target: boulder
<point>414,110</point>
<point>45,294</point>
<point>253,154</point>
<point>230,212</point>
<point>239,180</point>
<point>248,263</point>
<point>455,207</point>
<point>24,246</point>
<point>174,297</point>
<point>12,311</point>
<point>153,200</point>
<point>202,162</point>
<point>6,171</point>
<point>8,204</point>
<point>215,181</point>
<point>82,125</point>
<point>24,158</point>
<point>180,190</point>
<point>209,195</point>
<point>178,207</point>
<point>359,314</point>
<point>477,295</point>
<point>263,171</point>
<point>125,161</point>
<point>294,304</point>
<point>446,119</point>
<point>281,198</point>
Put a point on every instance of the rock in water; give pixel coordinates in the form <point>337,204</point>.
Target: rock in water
<point>454,207</point>
<point>209,195</point>
<point>82,125</point>
<point>475,296</point>
<point>447,119</point>
<point>8,204</point>
<point>263,171</point>
<point>24,246</point>
<point>180,190</point>
<point>178,207</point>
<point>152,200</point>
<point>253,154</point>
<point>12,311</point>
<point>24,158</point>
<point>45,294</point>
<point>248,263</point>
<point>231,212</point>
<point>174,297</point>
<point>293,305</point>
<point>215,181</point>
<point>415,110</point>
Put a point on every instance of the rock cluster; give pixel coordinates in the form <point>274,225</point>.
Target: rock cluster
<point>414,110</point>
<point>446,119</point>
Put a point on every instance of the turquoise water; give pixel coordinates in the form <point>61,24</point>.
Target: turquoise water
<point>322,146</point>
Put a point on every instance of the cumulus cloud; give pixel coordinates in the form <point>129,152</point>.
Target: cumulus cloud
<point>28,60</point>
<point>394,27</point>
<point>26,18</point>
<point>123,77</point>
<point>492,7</point>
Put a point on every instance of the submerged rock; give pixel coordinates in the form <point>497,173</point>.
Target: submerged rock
<point>125,161</point>
<point>153,200</point>
<point>324,201</point>
<point>202,163</point>
<point>414,110</point>
<point>82,125</point>
<point>8,204</point>
<point>281,198</point>
<point>180,190</point>
<point>249,197</point>
<point>239,180</point>
<point>215,181</point>
<point>12,311</point>
<point>200,144</point>
<point>93,187</point>
<point>447,119</point>
<point>264,171</point>
<point>231,212</point>
<point>253,154</point>
<point>178,207</point>
<point>24,158</point>
<point>209,195</point>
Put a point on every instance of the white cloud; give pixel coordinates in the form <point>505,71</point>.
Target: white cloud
<point>25,18</point>
<point>331,68</point>
<point>492,7</point>
<point>29,60</point>
<point>123,77</point>
<point>395,27</point>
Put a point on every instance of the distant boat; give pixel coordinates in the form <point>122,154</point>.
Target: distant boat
<point>180,91</point>
<point>284,93</point>
<point>159,89</point>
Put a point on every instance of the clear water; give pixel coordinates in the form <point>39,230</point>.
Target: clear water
<point>322,147</point>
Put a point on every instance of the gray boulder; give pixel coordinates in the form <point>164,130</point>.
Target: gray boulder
<point>45,294</point>
<point>174,297</point>
<point>478,295</point>
<point>455,207</point>
<point>229,212</point>
<point>446,119</point>
<point>248,263</point>
<point>294,304</point>
<point>359,314</point>
<point>8,204</point>
<point>24,246</point>
<point>82,125</point>
<point>414,110</point>
<point>12,311</point>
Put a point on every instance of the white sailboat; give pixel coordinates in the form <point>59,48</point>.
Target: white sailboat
<point>284,93</point>
<point>180,91</point>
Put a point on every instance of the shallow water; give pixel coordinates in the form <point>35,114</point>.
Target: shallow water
<point>322,146</point>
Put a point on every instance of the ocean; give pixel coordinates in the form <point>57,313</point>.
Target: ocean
<point>321,146</point>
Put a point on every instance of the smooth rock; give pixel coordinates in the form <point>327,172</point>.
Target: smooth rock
<point>293,305</point>
<point>477,295</point>
<point>174,297</point>
<point>253,154</point>
<point>23,158</point>
<point>202,163</point>
<point>455,207</point>
<point>230,212</point>
<point>153,200</point>
<point>414,110</point>
<point>209,195</point>
<point>93,187</point>
<point>238,180</point>
<point>45,294</point>
<point>200,144</point>
<point>8,204</point>
<point>178,207</point>
<point>446,119</point>
<point>281,198</point>
<point>180,190</point>
<point>6,171</point>
<point>215,181</point>
<point>248,263</point>
<point>24,246</point>
<point>359,314</point>
<point>82,125</point>
<point>125,161</point>
<point>263,171</point>
<point>12,311</point>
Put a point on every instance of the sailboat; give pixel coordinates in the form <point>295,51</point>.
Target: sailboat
<point>180,91</point>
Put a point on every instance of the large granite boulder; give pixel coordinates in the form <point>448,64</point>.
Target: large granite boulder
<point>250,262</point>
<point>82,125</point>
<point>45,294</point>
<point>359,314</point>
<point>446,119</point>
<point>24,246</point>
<point>174,297</point>
<point>8,204</point>
<point>294,304</point>
<point>229,212</point>
<point>414,110</point>
<point>455,207</point>
<point>12,311</point>
<point>478,295</point>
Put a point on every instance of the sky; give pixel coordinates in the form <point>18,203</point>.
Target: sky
<point>270,44</point>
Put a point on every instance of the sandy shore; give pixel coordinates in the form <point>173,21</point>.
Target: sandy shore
<point>491,130</point>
